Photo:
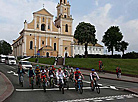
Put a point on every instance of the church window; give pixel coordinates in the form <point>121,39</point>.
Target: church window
<point>37,25</point>
<point>43,42</point>
<point>64,1</point>
<point>31,44</point>
<point>48,26</point>
<point>65,16</point>
<point>66,28</point>
<point>43,19</point>
<point>43,27</point>
<point>55,47</point>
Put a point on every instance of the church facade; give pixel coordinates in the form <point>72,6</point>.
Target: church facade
<point>44,37</point>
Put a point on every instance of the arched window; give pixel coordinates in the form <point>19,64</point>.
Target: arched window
<point>37,25</point>
<point>55,47</point>
<point>43,19</point>
<point>48,26</point>
<point>43,27</point>
<point>31,44</point>
<point>66,28</point>
<point>64,1</point>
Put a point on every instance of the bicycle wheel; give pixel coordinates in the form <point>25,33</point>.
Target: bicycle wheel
<point>92,87</point>
<point>44,86</point>
<point>21,82</point>
<point>62,89</point>
<point>32,83</point>
<point>67,84</point>
<point>80,89</point>
<point>98,89</point>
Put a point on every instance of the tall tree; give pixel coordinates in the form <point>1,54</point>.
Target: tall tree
<point>85,34</point>
<point>123,46</point>
<point>5,48</point>
<point>112,38</point>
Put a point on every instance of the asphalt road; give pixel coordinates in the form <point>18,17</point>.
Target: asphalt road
<point>110,91</point>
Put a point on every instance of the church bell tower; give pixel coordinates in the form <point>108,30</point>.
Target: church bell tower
<point>64,19</point>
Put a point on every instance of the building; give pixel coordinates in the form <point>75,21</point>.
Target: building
<point>44,37</point>
<point>80,49</point>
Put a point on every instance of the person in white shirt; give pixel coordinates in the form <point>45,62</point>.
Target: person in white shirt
<point>60,75</point>
<point>93,76</point>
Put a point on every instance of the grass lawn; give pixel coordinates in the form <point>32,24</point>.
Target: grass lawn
<point>128,66</point>
<point>49,61</point>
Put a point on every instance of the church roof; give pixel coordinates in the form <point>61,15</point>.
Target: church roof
<point>43,12</point>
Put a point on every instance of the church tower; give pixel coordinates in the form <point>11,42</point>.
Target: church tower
<point>64,19</point>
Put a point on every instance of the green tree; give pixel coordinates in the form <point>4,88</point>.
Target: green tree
<point>123,46</point>
<point>85,34</point>
<point>112,38</point>
<point>5,48</point>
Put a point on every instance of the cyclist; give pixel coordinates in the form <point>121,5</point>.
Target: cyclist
<point>77,75</point>
<point>51,74</point>
<point>37,72</point>
<point>71,74</point>
<point>43,75</point>
<point>93,76</point>
<point>20,72</point>
<point>60,75</point>
<point>31,73</point>
<point>66,74</point>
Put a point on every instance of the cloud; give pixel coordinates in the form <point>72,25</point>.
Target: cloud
<point>102,20</point>
<point>97,2</point>
<point>14,12</point>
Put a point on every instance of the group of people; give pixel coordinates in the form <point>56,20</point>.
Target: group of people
<point>47,73</point>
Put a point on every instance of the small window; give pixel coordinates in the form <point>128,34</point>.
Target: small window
<point>89,48</point>
<point>55,47</point>
<point>82,47</point>
<point>74,47</point>
<point>43,42</point>
<point>99,49</point>
<point>78,48</point>
<point>37,25</point>
<point>64,1</point>
<point>66,28</point>
<point>93,49</point>
<point>48,26</point>
<point>65,16</point>
<point>96,49</point>
<point>31,44</point>
<point>43,19</point>
<point>43,27</point>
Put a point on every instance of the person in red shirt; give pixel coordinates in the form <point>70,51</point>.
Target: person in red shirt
<point>77,75</point>
<point>100,65</point>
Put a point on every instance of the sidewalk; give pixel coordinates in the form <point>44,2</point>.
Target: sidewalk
<point>6,87</point>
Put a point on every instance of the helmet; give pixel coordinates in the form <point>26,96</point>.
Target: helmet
<point>77,68</point>
<point>93,69</point>
<point>37,65</point>
<point>71,68</point>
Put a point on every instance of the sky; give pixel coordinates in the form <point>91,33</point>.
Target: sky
<point>101,13</point>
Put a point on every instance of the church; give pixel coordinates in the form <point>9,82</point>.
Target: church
<point>45,37</point>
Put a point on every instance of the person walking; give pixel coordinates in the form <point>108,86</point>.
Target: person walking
<point>117,74</point>
<point>100,65</point>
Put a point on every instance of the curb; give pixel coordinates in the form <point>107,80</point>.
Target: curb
<point>9,89</point>
<point>115,79</point>
<point>129,90</point>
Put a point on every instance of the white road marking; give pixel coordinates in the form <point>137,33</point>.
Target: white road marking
<point>112,87</point>
<point>88,82</point>
<point>9,72</point>
<point>52,89</point>
<point>11,67</point>
<point>99,99</point>
<point>15,74</point>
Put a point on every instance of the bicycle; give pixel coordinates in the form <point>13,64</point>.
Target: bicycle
<point>79,86</point>
<point>66,82</point>
<point>44,84</point>
<point>21,80</point>
<point>38,82</point>
<point>32,82</point>
<point>61,85</point>
<point>51,82</point>
<point>95,86</point>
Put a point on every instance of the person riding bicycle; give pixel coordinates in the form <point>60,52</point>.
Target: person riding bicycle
<point>71,73</point>
<point>31,73</point>
<point>37,72</point>
<point>65,71</point>
<point>60,75</point>
<point>43,75</point>
<point>77,75</point>
<point>20,72</point>
<point>93,76</point>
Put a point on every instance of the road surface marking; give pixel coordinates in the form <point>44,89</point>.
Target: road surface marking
<point>11,67</point>
<point>99,99</point>
<point>9,72</point>
<point>112,87</point>
<point>88,82</point>
<point>52,89</point>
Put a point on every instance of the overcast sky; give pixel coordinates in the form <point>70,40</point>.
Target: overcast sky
<point>101,13</point>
